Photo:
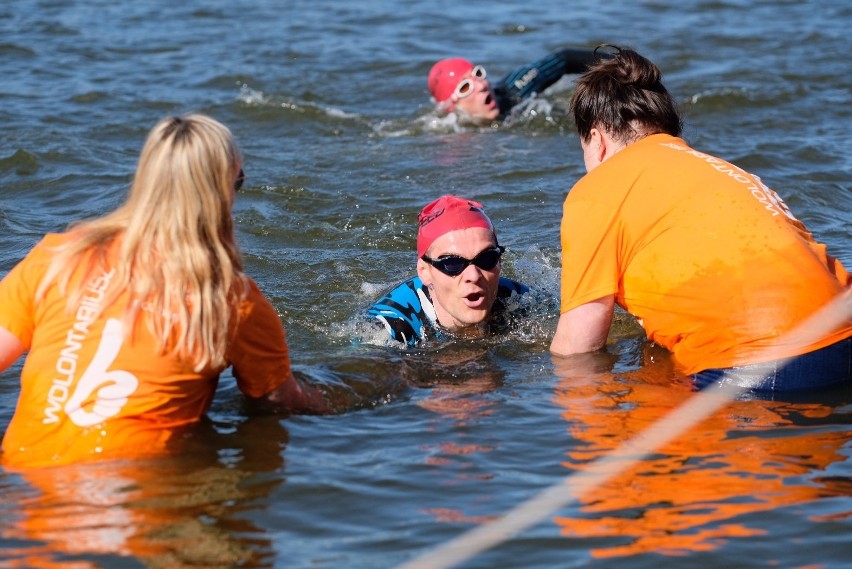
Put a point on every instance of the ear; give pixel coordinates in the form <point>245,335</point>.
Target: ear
<point>599,144</point>
<point>423,272</point>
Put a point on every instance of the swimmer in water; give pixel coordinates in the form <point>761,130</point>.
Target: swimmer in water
<point>458,290</point>
<point>459,86</point>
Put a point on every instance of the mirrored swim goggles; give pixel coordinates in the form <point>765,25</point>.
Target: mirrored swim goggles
<point>454,265</point>
<point>467,85</point>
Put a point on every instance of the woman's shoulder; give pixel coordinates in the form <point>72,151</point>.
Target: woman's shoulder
<point>53,240</point>
<point>46,247</point>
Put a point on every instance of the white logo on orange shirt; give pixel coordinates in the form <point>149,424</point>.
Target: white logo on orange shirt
<point>761,192</point>
<point>112,386</point>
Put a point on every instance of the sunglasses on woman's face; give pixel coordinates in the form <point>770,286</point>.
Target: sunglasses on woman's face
<point>238,183</point>
<point>453,265</point>
<point>467,85</point>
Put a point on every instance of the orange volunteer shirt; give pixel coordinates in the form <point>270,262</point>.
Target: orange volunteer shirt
<point>708,258</point>
<point>89,390</point>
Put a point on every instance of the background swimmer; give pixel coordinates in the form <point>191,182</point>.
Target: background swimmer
<point>459,86</point>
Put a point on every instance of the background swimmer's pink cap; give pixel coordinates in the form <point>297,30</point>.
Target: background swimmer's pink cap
<point>445,76</point>
<point>445,214</point>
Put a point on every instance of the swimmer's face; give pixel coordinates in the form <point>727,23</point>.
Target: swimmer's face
<point>480,102</point>
<point>464,301</point>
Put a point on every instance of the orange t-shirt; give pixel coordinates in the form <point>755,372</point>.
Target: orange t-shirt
<point>708,258</point>
<point>90,390</point>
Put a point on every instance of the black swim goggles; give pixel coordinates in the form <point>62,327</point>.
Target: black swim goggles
<point>454,265</point>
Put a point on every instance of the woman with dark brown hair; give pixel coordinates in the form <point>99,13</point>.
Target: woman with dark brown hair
<point>709,259</point>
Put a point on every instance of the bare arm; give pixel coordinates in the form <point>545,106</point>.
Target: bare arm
<point>296,396</point>
<point>584,328</point>
<point>11,348</point>
<point>260,353</point>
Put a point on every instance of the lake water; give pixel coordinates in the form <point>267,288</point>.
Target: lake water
<point>328,102</point>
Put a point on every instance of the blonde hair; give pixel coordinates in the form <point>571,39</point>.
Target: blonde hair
<point>177,257</point>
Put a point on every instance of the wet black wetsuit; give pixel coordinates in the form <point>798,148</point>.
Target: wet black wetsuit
<point>535,77</point>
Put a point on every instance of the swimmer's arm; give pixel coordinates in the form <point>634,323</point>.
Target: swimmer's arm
<point>577,60</point>
<point>584,328</point>
<point>11,348</point>
<point>541,74</point>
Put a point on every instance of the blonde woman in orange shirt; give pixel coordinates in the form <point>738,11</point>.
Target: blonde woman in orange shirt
<point>130,318</point>
<point>709,259</point>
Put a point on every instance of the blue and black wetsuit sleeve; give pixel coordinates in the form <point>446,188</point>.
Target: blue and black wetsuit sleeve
<point>527,80</point>
<point>501,314</point>
<point>400,312</point>
<point>506,287</point>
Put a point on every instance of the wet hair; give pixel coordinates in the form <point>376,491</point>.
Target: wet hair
<point>623,94</point>
<point>175,252</point>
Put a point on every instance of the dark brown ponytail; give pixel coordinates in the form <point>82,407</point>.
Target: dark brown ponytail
<point>623,94</point>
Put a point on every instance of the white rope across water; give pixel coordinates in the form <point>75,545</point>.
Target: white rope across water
<point>598,472</point>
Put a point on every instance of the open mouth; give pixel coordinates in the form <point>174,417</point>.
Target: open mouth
<point>488,99</point>
<point>474,297</point>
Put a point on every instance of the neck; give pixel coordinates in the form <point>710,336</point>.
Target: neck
<point>477,330</point>
<point>473,331</point>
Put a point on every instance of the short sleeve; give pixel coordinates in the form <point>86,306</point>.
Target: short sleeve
<point>590,252</point>
<point>258,353</point>
<point>17,294</point>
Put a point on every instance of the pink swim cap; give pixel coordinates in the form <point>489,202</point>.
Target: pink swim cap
<point>445,75</point>
<point>449,213</point>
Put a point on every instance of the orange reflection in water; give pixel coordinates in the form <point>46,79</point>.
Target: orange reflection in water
<point>172,511</point>
<point>694,493</point>
<point>460,377</point>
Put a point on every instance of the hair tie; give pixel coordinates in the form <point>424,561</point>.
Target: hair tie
<point>615,49</point>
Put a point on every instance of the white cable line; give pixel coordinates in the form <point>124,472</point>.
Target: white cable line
<point>573,487</point>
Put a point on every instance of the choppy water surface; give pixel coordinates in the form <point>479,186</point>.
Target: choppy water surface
<point>328,102</point>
